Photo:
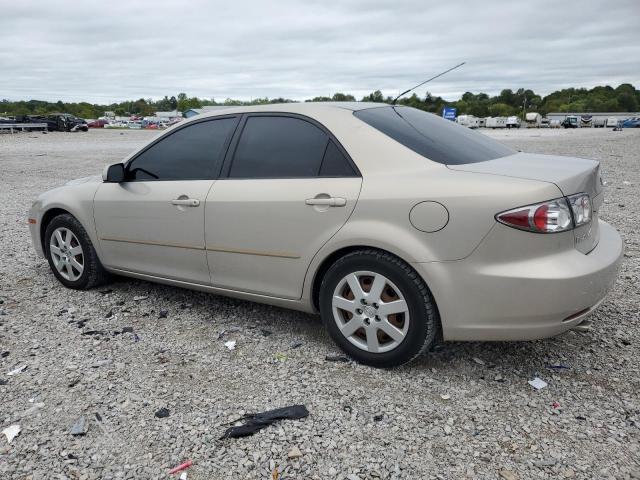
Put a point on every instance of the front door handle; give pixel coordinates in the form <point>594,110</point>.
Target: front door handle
<point>327,202</point>
<point>186,202</point>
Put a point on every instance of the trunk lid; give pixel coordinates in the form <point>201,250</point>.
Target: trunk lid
<point>571,175</point>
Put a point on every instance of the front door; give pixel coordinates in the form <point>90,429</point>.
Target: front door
<point>153,223</point>
<point>288,189</point>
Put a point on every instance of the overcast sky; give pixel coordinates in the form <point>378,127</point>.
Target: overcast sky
<point>105,51</point>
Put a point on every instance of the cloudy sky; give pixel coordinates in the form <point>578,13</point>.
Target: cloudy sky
<point>103,51</point>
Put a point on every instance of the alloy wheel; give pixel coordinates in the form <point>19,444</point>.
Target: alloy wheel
<point>66,253</point>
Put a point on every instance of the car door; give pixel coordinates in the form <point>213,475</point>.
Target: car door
<point>287,187</point>
<point>153,223</point>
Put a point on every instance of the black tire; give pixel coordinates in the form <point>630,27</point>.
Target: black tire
<point>94,273</point>
<point>424,324</point>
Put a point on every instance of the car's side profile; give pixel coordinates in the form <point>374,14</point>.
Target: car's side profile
<point>398,227</point>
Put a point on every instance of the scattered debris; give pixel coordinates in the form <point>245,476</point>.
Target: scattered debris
<point>258,421</point>
<point>17,370</point>
<point>265,332</point>
<point>378,418</point>
<point>445,396</point>
<point>11,432</point>
<point>228,330</point>
<point>499,378</point>
<point>80,427</point>
<point>127,329</point>
<point>183,476</point>
<point>93,332</point>
<point>555,405</point>
<point>479,361</point>
<point>537,383</point>
<point>109,314</point>
<point>182,466</point>
<point>137,298</point>
<point>280,356</point>
<point>163,313</point>
<point>294,453</point>
<point>231,344</point>
<point>163,413</point>
<point>4,354</point>
<point>98,417</point>
<point>558,366</point>
<point>101,363</point>
<point>296,345</point>
<point>336,358</point>
<point>3,381</point>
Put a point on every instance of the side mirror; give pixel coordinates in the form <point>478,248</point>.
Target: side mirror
<point>113,173</point>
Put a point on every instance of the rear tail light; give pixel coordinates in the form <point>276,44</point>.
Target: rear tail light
<point>553,216</point>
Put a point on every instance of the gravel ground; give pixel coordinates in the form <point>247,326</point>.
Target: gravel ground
<point>118,354</point>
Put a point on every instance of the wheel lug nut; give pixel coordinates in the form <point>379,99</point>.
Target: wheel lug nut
<point>359,311</point>
<point>363,301</point>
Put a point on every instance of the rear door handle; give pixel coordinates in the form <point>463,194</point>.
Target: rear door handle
<point>186,202</point>
<point>330,202</point>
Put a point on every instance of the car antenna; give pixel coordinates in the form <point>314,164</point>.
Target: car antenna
<point>426,81</point>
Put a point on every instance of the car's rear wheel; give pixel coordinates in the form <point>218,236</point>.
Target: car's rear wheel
<point>71,255</point>
<point>378,309</point>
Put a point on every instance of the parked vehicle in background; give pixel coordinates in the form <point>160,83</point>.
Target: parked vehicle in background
<point>545,123</point>
<point>599,122</point>
<point>496,122</point>
<point>397,226</point>
<point>586,121</point>
<point>136,124</point>
<point>533,120</point>
<point>612,122</point>
<point>116,125</point>
<point>468,121</point>
<point>571,122</point>
<point>631,123</point>
<point>100,123</point>
<point>513,122</point>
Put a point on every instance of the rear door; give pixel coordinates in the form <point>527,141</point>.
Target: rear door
<point>153,223</point>
<point>287,187</point>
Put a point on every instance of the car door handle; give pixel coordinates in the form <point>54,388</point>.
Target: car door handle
<point>329,202</point>
<point>186,202</point>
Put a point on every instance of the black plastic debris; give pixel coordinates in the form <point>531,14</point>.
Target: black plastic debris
<point>163,313</point>
<point>378,418</point>
<point>163,413</point>
<point>4,354</point>
<point>258,421</point>
<point>336,358</point>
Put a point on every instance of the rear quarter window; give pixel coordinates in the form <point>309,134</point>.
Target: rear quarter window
<point>433,137</point>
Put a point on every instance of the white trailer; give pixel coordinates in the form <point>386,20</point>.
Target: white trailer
<point>533,119</point>
<point>513,122</point>
<point>496,122</point>
<point>468,121</point>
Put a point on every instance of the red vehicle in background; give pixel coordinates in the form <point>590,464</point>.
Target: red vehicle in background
<point>100,123</point>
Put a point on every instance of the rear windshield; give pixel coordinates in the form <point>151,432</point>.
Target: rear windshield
<point>433,137</point>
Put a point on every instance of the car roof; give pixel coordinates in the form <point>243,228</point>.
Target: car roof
<point>303,108</point>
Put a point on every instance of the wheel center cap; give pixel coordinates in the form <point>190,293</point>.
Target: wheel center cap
<point>369,311</point>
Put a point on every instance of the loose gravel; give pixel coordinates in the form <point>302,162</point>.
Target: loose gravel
<point>133,379</point>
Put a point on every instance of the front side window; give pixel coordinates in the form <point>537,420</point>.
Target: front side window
<point>194,152</point>
<point>433,137</point>
<point>278,147</point>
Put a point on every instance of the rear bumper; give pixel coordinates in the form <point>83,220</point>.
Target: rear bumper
<point>491,295</point>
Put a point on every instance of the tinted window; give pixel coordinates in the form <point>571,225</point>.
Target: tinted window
<point>278,147</point>
<point>191,153</point>
<point>438,139</point>
<point>335,164</point>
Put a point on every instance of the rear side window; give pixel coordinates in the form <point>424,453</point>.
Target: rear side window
<point>278,147</point>
<point>335,163</point>
<point>194,152</point>
<point>433,137</point>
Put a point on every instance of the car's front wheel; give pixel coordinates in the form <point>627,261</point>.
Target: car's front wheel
<point>71,255</point>
<point>378,309</point>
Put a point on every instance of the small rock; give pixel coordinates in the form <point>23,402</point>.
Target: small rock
<point>163,413</point>
<point>547,462</point>
<point>101,363</point>
<point>508,474</point>
<point>294,453</point>
<point>296,345</point>
<point>127,329</point>
<point>231,344</point>
<point>479,361</point>
<point>448,429</point>
<point>137,298</point>
<point>11,432</point>
<point>378,418</point>
<point>80,427</point>
<point>163,313</point>
<point>445,396</point>
<point>17,370</point>
<point>265,333</point>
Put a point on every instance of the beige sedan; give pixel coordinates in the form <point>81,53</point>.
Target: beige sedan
<point>400,228</point>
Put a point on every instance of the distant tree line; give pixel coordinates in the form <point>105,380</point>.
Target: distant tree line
<point>624,98</point>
